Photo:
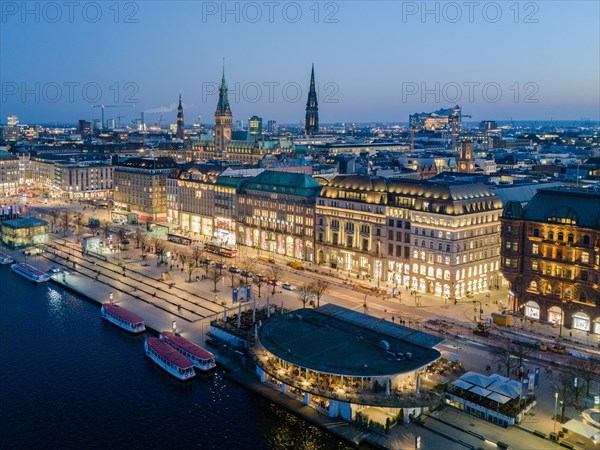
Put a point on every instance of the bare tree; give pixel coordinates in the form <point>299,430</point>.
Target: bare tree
<point>505,359</point>
<point>274,274</point>
<point>259,284</point>
<point>561,383</point>
<point>305,294</point>
<point>143,243</point>
<point>232,276</point>
<point>247,265</point>
<point>191,265</point>
<point>159,249</point>
<point>520,353</point>
<point>65,219</point>
<point>215,276</point>
<point>198,254</point>
<point>78,222</point>
<point>318,288</point>
<point>54,216</point>
<point>588,370</point>
<point>105,225</point>
<point>137,237</point>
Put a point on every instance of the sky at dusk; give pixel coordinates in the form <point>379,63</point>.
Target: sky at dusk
<point>375,61</point>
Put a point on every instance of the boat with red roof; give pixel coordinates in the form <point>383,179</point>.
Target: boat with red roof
<point>30,272</point>
<point>6,259</point>
<point>169,359</point>
<point>202,359</point>
<point>122,318</point>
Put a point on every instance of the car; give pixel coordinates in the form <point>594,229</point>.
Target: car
<point>206,262</point>
<point>33,251</point>
<point>261,278</point>
<point>246,274</point>
<point>289,287</point>
<point>220,266</point>
<point>53,269</point>
<point>274,282</point>
<point>234,269</point>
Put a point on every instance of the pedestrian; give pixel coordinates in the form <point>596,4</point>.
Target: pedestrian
<point>154,295</point>
<point>392,319</point>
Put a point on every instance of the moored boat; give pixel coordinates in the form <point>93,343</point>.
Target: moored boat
<point>202,359</point>
<point>6,259</point>
<point>30,272</point>
<point>122,318</point>
<point>169,359</point>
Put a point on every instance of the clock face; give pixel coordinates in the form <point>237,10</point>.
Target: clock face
<point>463,166</point>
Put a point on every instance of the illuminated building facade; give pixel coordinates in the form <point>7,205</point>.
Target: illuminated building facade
<point>551,257</point>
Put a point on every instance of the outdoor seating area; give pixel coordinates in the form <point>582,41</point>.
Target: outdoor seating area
<point>443,370</point>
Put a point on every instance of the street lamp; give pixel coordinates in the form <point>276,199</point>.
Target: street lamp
<point>365,303</point>
<point>555,408</point>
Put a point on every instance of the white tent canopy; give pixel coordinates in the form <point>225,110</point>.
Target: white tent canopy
<point>462,384</point>
<point>581,428</point>
<point>498,398</point>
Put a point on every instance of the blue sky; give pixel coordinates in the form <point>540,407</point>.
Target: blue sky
<point>375,61</point>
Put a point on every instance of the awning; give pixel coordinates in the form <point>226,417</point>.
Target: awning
<point>450,356</point>
<point>480,391</point>
<point>581,428</point>
<point>498,398</point>
<point>462,384</point>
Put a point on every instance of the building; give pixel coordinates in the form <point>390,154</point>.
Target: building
<point>180,133</point>
<point>255,126</point>
<point>140,186</point>
<point>440,120</point>
<point>21,233</point>
<point>275,213</point>
<point>272,126</point>
<point>10,175</point>
<point>347,364</point>
<point>12,121</point>
<point>551,257</point>
<point>436,236</point>
<point>466,163</point>
<point>492,398</point>
<point>311,123</point>
<point>223,119</point>
<point>73,176</point>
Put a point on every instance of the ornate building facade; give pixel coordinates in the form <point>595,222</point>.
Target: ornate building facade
<point>180,125</point>
<point>551,257</point>
<point>223,121</point>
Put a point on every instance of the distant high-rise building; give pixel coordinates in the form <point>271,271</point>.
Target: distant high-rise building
<point>180,126</point>
<point>466,163</point>
<point>238,125</point>
<point>311,124</point>
<point>98,124</point>
<point>111,124</point>
<point>272,126</point>
<point>486,125</point>
<point>255,125</point>
<point>223,120</point>
<point>12,121</point>
<point>84,127</point>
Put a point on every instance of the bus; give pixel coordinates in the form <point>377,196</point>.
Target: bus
<point>183,240</point>
<point>222,250</point>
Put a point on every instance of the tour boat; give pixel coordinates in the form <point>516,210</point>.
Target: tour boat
<point>169,359</point>
<point>6,259</point>
<point>202,359</point>
<point>30,272</point>
<point>122,318</point>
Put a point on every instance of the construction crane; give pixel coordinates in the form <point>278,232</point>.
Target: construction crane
<point>456,119</point>
<point>109,106</point>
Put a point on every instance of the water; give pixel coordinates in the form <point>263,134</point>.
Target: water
<point>69,379</point>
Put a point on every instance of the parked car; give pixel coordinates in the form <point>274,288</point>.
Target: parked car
<point>234,269</point>
<point>295,265</point>
<point>53,269</point>
<point>220,266</point>
<point>274,282</point>
<point>246,274</point>
<point>289,287</point>
<point>261,278</point>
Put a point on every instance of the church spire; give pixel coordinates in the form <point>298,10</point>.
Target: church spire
<point>180,126</point>
<point>223,119</point>
<point>311,124</point>
<point>223,105</point>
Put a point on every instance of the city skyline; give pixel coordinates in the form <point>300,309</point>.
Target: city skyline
<point>405,64</point>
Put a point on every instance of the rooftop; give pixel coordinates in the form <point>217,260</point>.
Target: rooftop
<point>336,340</point>
<point>24,223</point>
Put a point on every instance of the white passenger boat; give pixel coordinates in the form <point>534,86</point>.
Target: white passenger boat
<point>202,359</point>
<point>6,259</point>
<point>122,318</point>
<point>169,359</point>
<point>30,272</point>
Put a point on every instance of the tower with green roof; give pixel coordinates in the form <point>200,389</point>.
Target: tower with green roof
<point>223,120</point>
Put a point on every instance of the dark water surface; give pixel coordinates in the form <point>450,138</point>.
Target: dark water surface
<point>69,379</point>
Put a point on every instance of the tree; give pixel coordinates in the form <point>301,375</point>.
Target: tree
<point>561,383</point>
<point>520,353</point>
<point>78,221</point>
<point>159,249</point>
<point>105,225</point>
<point>505,359</point>
<point>247,265</point>
<point>65,219</point>
<point>304,294</point>
<point>54,216</point>
<point>197,255</point>
<point>259,284</point>
<point>191,264</point>
<point>215,276</point>
<point>318,288</point>
<point>143,244</point>
<point>274,273</point>
<point>587,369</point>
<point>137,237</point>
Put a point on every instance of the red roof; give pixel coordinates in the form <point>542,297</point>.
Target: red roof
<point>32,269</point>
<point>168,352</point>
<point>118,311</point>
<point>186,345</point>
